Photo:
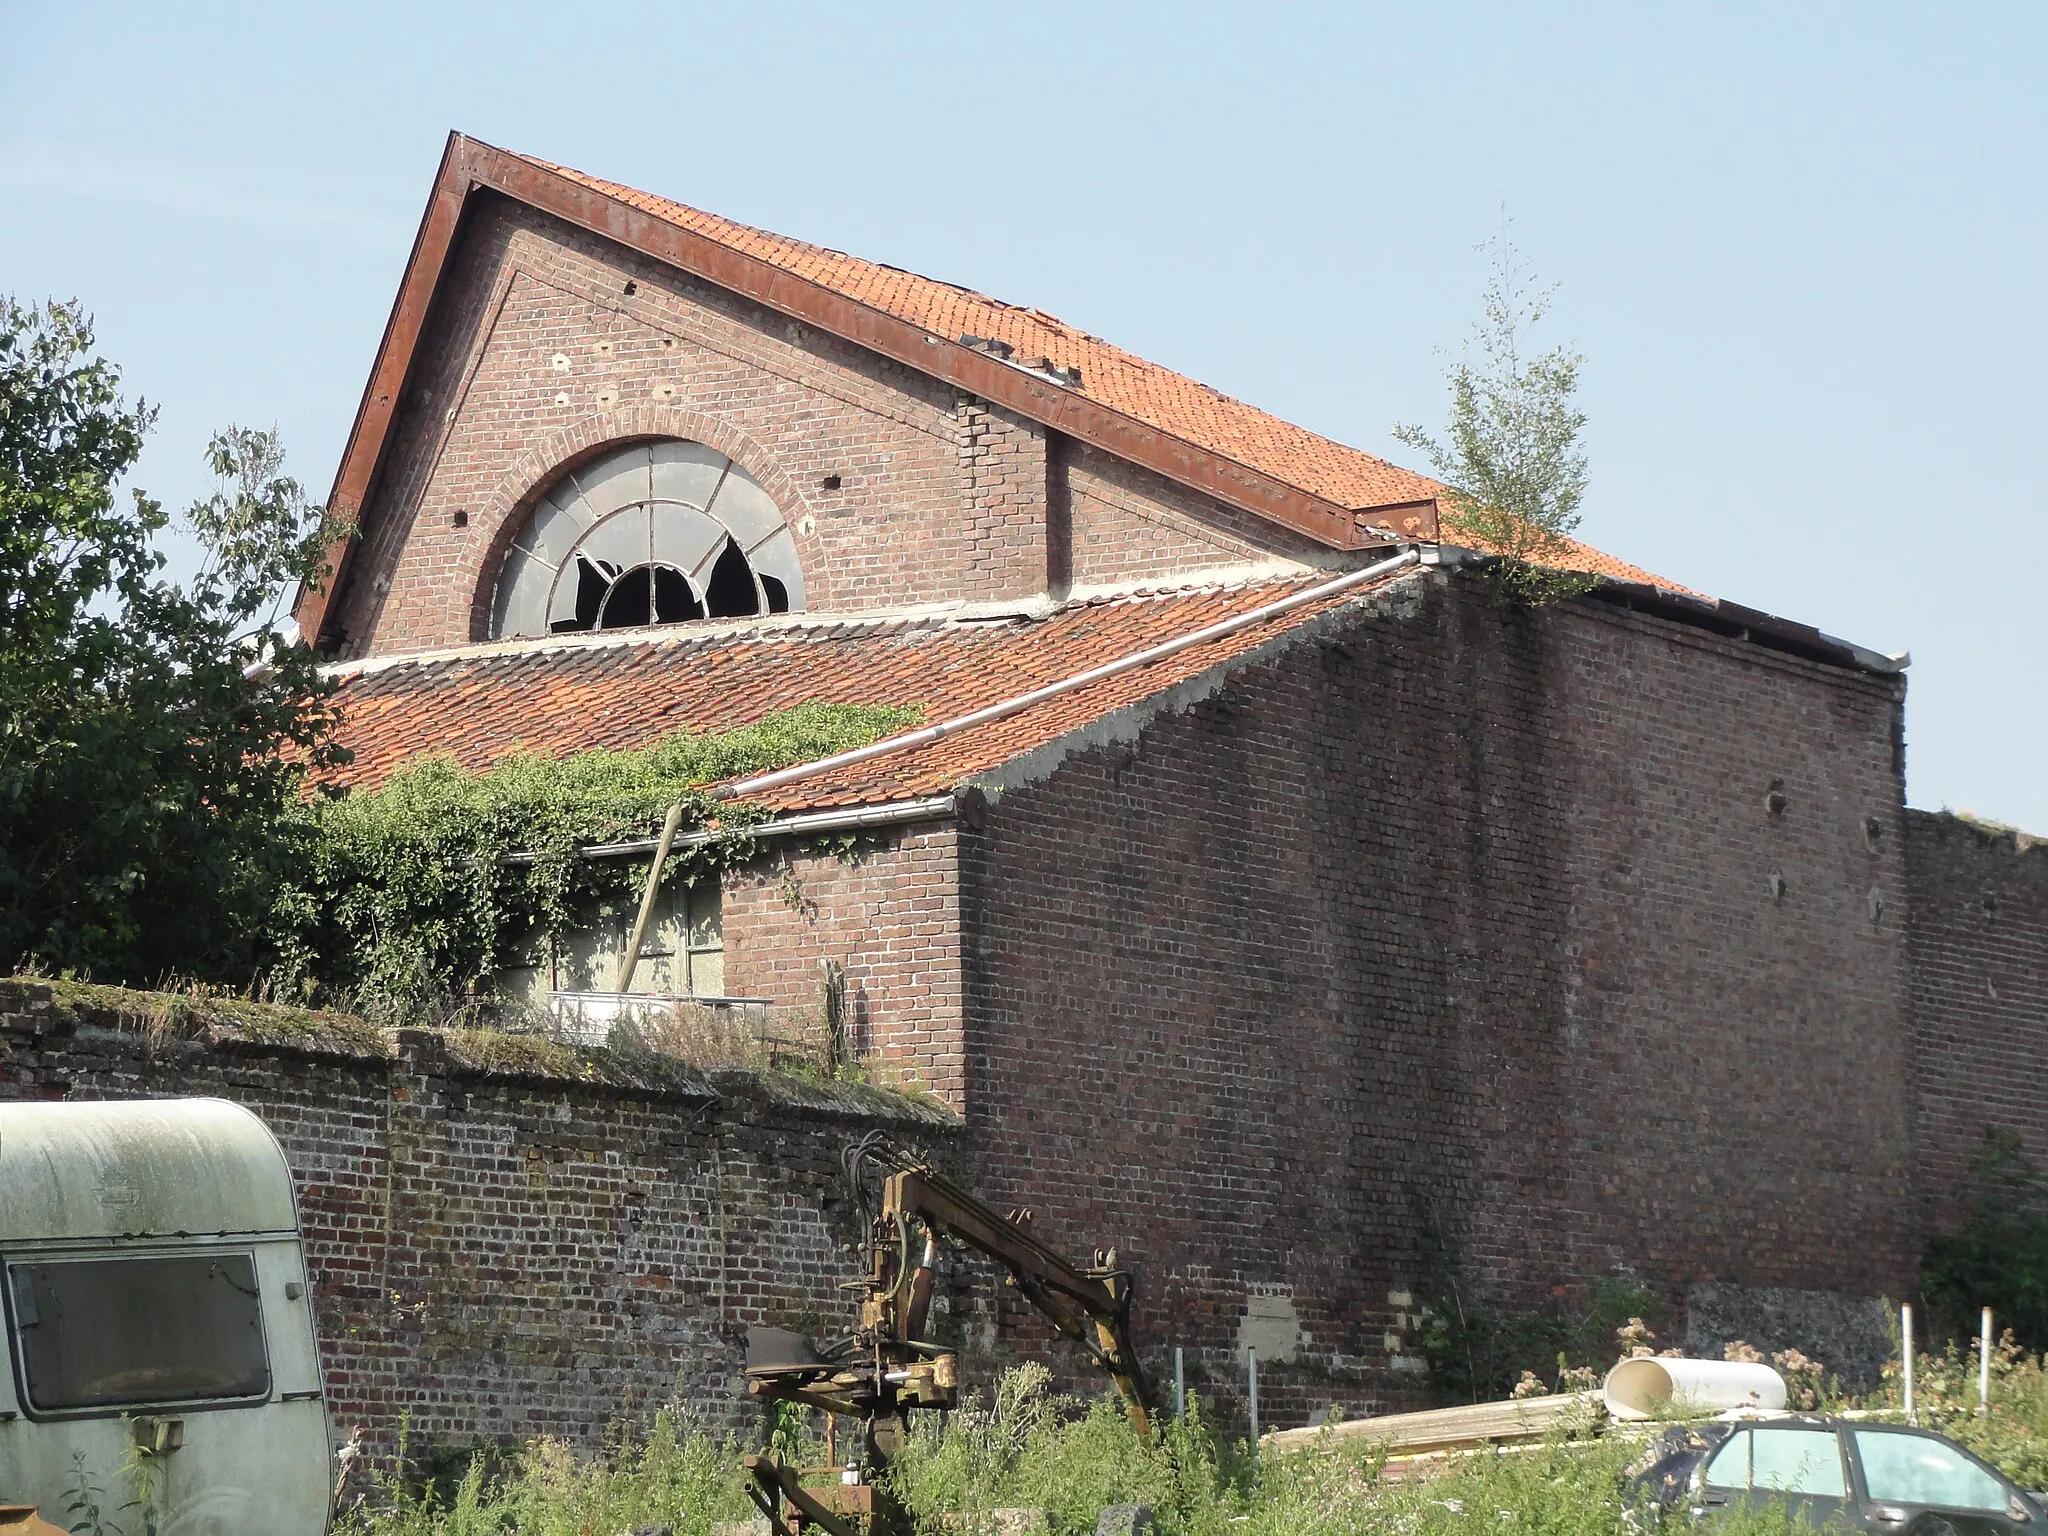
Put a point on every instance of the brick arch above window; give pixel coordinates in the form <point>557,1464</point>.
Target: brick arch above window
<point>498,524</point>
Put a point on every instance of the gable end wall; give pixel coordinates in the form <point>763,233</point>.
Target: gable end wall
<point>535,355</point>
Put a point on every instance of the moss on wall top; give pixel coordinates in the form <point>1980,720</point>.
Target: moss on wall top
<point>200,1019</point>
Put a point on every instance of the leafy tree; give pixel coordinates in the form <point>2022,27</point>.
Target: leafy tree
<point>1510,456</point>
<point>154,735</point>
<point>1998,1256</point>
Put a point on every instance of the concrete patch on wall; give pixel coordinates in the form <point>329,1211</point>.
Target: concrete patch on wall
<point>1849,1335</point>
<point>1271,1326</point>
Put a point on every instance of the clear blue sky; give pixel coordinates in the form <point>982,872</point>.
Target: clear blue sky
<point>1802,247</point>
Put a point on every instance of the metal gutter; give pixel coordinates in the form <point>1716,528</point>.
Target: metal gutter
<point>894,813</point>
<point>1018,703</point>
<point>1767,631</point>
<point>423,269</point>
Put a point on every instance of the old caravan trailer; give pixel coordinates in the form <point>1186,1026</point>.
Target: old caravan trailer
<point>160,1336</point>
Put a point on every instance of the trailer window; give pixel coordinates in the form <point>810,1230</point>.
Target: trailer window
<point>107,1333</point>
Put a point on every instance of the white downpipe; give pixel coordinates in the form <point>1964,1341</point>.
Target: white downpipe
<point>1649,1385</point>
<point>1984,1363</point>
<point>1023,701</point>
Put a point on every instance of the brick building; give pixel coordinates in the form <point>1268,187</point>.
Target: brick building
<point>1349,890</point>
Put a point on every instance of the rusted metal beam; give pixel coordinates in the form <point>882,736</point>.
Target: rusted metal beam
<point>934,1198</point>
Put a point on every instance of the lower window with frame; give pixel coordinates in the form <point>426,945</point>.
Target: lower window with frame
<point>139,1329</point>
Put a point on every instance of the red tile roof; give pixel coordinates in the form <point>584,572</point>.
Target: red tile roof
<point>1140,389</point>
<point>1170,401</point>
<point>560,696</point>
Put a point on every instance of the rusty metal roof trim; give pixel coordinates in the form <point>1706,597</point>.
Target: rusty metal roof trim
<point>469,165</point>
<point>366,437</point>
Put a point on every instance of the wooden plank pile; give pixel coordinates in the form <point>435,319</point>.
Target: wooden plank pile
<point>1515,1421</point>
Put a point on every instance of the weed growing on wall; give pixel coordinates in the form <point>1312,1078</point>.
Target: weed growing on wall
<point>403,898</point>
<point>1998,1256</point>
<point>1513,469</point>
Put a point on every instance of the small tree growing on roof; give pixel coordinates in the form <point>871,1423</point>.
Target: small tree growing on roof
<point>1510,456</point>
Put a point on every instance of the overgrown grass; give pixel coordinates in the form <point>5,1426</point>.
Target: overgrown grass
<point>190,1010</point>
<point>1029,1448</point>
<point>2012,1435</point>
<point>676,1475</point>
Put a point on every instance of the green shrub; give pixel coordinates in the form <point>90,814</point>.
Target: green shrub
<point>1477,1354</point>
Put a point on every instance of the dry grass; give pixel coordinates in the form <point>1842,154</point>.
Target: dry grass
<point>769,1039</point>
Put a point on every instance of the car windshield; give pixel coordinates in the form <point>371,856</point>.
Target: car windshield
<point>1902,1468</point>
<point>110,1333</point>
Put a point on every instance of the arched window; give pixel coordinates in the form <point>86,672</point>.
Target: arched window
<point>653,533</point>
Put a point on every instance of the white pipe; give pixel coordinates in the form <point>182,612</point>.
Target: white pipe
<point>1023,701</point>
<point>1906,1358</point>
<point>1649,1385</point>
<point>1984,1363</point>
<point>932,808</point>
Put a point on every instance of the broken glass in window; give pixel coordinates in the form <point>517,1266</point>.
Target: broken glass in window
<point>652,533</point>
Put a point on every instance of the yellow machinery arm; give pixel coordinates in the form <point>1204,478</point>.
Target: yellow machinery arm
<point>1091,1306</point>
<point>886,1368</point>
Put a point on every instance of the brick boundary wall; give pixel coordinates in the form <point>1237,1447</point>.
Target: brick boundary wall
<point>504,1253</point>
<point>1979,930</point>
